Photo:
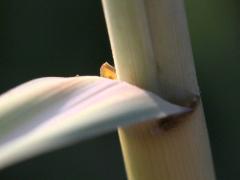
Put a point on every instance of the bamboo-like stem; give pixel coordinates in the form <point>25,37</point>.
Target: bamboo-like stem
<point>151,49</point>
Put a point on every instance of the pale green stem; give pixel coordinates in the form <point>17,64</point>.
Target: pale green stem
<point>151,48</point>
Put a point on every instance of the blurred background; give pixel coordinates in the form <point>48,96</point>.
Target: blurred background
<point>64,38</point>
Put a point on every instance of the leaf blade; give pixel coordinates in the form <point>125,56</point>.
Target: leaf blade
<point>50,113</point>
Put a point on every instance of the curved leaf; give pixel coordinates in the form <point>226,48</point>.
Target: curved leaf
<point>52,112</point>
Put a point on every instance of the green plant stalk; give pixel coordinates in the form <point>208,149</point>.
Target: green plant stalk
<point>151,49</point>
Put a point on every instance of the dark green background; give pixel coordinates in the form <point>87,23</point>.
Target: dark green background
<point>64,38</point>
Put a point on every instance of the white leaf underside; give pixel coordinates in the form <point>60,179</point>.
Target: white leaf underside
<point>49,113</point>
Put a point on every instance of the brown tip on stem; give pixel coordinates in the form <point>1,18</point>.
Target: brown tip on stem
<point>173,121</point>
